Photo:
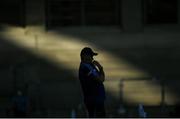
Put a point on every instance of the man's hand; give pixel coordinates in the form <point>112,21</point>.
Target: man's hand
<point>98,64</point>
<point>102,75</point>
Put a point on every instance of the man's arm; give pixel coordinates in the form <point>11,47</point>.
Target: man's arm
<point>101,71</point>
<point>99,76</point>
<point>102,75</point>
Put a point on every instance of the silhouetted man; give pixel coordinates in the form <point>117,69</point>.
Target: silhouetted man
<point>20,105</point>
<point>91,76</point>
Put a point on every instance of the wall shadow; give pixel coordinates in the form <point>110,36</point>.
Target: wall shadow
<point>55,91</point>
<point>154,52</point>
<point>48,85</point>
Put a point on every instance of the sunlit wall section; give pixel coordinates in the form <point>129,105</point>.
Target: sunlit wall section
<point>63,51</point>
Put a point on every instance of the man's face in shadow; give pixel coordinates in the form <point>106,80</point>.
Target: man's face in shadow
<point>88,58</point>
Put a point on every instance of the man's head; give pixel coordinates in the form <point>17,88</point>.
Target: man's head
<point>87,54</point>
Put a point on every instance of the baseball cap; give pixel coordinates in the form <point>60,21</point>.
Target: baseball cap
<point>88,51</point>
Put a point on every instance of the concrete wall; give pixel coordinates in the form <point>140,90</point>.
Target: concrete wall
<point>54,87</point>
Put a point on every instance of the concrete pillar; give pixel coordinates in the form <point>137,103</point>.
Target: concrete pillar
<point>178,7</point>
<point>35,13</point>
<point>34,85</point>
<point>132,15</point>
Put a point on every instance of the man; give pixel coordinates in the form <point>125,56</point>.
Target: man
<point>91,76</point>
<point>20,104</point>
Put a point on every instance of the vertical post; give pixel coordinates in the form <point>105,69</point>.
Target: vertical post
<point>47,15</point>
<point>121,90</point>
<point>121,109</point>
<point>132,15</point>
<point>117,11</point>
<point>13,70</point>
<point>178,11</point>
<point>36,42</point>
<point>83,12</point>
<point>23,13</point>
<point>162,92</point>
<point>163,101</point>
<point>144,10</point>
<point>35,13</point>
<point>34,87</point>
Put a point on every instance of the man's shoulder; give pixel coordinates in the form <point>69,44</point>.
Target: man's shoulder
<point>84,65</point>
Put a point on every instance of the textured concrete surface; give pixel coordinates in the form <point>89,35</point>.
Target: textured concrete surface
<point>46,65</point>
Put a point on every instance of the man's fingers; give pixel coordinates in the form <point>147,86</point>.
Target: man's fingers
<point>97,64</point>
